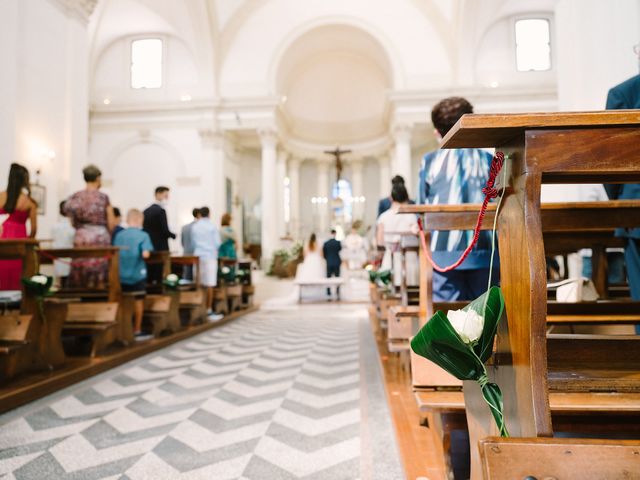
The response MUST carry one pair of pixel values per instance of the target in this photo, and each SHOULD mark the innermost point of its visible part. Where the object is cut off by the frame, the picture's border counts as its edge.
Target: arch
(397, 71)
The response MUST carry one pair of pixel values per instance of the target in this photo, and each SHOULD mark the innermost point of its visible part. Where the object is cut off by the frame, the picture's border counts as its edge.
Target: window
(146, 63)
(342, 198)
(533, 45)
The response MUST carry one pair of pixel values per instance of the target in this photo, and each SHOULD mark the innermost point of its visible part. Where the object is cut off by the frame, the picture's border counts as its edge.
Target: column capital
(268, 137)
(294, 162)
(79, 9)
(211, 138)
(402, 132)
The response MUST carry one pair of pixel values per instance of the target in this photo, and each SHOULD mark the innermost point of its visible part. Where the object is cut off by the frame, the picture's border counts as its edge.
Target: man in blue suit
(627, 96)
(331, 253)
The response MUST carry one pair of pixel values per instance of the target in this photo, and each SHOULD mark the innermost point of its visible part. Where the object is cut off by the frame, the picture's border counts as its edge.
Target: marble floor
(279, 394)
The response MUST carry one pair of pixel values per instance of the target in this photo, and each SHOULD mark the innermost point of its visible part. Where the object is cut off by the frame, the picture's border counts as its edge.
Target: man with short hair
(156, 225)
(187, 243)
(205, 238)
(331, 253)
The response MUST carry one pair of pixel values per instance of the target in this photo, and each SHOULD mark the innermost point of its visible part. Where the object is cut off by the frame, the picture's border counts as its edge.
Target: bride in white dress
(312, 268)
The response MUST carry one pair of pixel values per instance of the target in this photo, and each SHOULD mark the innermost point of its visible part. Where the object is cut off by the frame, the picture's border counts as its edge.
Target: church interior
(320, 239)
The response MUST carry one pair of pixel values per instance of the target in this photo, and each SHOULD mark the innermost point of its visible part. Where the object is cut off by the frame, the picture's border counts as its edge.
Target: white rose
(41, 279)
(468, 324)
(225, 270)
(172, 277)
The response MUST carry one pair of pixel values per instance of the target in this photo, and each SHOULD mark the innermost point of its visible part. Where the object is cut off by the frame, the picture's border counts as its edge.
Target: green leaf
(492, 313)
(493, 396)
(438, 341)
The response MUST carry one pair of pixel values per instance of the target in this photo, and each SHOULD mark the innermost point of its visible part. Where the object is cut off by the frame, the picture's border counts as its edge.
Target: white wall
(44, 90)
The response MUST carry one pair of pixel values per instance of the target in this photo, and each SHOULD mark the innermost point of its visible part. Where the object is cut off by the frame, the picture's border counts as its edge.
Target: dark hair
(91, 173)
(18, 179)
(161, 189)
(333, 231)
(399, 194)
(397, 180)
(116, 212)
(448, 111)
(312, 242)
(196, 212)
(62, 204)
(204, 211)
(226, 220)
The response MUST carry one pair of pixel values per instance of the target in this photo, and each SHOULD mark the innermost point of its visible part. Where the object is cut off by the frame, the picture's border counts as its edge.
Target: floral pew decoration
(172, 281)
(40, 286)
(461, 342)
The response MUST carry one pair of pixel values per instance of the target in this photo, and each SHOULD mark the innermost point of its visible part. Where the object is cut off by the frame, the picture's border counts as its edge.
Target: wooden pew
(13, 339)
(233, 290)
(193, 298)
(162, 304)
(95, 321)
(248, 288)
(548, 148)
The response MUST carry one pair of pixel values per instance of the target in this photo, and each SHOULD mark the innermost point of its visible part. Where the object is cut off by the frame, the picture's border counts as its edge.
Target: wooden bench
(193, 298)
(13, 339)
(95, 319)
(550, 148)
(162, 305)
(246, 280)
(320, 283)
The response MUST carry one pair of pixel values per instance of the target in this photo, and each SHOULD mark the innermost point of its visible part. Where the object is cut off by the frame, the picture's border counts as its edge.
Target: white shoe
(214, 317)
(142, 337)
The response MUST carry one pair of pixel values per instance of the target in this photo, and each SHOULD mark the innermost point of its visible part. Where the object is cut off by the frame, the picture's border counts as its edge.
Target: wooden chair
(566, 147)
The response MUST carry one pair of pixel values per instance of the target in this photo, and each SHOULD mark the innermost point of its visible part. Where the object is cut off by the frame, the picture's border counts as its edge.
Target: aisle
(288, 394)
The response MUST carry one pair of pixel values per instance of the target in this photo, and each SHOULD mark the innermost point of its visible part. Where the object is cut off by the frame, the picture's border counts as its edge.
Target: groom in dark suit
(156, 225)
(331, 252)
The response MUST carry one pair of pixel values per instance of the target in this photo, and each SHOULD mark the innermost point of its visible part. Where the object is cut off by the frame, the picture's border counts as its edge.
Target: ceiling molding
(80, 10)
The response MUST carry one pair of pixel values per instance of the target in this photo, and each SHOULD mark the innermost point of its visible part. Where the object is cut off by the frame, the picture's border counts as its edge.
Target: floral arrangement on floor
(461, 342)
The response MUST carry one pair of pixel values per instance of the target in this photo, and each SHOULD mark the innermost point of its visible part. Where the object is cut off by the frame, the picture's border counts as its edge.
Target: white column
(294, 179)
(385, 175)
(214, 178)
(281, 172)
(269, 227)
(402, 163)
(357, 188)
(323, 193)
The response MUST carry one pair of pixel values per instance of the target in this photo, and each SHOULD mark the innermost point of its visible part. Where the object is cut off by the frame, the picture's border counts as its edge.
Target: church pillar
(281, 173)
(357, 189)
(269, 227)
(294, 185)
(214, 178)
(385, 175)
(324, 197)
(402, 164)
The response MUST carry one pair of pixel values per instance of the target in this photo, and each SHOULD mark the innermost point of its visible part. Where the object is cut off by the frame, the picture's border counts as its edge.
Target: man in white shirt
(205, 239)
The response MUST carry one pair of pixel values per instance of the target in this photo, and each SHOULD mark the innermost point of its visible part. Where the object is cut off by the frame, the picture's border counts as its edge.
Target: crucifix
(338, 154)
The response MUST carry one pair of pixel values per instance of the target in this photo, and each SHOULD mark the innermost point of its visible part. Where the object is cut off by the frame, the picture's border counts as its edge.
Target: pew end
(13, 339)
(96, 320)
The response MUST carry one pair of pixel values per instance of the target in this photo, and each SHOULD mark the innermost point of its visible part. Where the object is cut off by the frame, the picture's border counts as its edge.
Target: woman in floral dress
(92, 216)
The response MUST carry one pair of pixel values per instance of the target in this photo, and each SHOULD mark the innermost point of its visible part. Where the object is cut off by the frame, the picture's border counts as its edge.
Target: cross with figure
(338, 154)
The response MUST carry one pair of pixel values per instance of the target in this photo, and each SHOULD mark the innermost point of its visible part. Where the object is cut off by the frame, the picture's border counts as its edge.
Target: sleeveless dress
(11, 270)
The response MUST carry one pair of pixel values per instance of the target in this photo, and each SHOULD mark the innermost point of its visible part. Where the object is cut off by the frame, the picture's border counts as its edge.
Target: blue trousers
(632, 259)
(462, 284)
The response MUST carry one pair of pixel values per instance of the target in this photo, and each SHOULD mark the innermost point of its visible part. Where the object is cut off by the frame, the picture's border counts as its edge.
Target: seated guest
(456, 176)
(187, 244)
(62, 235)
(391, 225)
(118, 221)
(136, 246)
(205, 238)
(385, 203)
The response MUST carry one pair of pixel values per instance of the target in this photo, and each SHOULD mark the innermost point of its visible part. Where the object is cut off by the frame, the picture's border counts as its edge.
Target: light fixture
(106, 101)
(284, 99)
(185, 97)
(494, 84)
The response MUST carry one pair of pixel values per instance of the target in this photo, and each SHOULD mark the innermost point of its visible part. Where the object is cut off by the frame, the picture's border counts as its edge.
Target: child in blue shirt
(136, 246)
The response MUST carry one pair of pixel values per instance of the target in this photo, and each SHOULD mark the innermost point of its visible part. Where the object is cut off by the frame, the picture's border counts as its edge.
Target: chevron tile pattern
(283, 394)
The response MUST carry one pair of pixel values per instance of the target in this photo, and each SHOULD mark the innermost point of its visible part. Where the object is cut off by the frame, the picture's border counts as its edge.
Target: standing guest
(391, 225)
(627, 96)
(118, 219)
(156, 225)
(62, 235)
(205, 238)
(331, 253)
(385, 203)
(136, 246)
(228, 237)
(354, 245)
(16, 202)
(92, 216)
(187, 244)
(456, 176)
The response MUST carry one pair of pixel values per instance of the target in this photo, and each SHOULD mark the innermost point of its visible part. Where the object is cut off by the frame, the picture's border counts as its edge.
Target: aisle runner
(277, 395)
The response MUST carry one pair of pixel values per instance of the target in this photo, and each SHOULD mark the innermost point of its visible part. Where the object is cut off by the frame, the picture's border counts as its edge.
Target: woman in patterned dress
(92, 216)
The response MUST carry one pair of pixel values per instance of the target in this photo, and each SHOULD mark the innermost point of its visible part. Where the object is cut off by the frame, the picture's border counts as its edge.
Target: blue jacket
(625, 96)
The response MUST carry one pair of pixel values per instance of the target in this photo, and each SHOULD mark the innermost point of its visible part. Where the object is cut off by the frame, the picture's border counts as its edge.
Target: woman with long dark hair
(16, 202)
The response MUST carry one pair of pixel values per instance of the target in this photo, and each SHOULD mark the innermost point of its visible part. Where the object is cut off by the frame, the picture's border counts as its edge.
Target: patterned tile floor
(286, 394)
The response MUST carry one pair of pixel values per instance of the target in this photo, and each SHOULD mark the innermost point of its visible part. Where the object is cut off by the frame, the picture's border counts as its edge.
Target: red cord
(489, 193)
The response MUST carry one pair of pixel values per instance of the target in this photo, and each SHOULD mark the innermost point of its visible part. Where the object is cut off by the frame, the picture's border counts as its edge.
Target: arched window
(341, 196)
(146, 63)
(533, 44)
